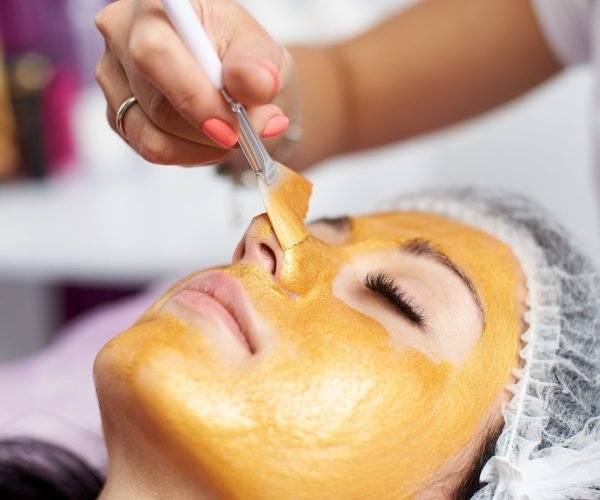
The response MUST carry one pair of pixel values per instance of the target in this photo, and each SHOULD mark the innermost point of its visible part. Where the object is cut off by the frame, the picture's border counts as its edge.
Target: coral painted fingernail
(275, 126)
(220, 132)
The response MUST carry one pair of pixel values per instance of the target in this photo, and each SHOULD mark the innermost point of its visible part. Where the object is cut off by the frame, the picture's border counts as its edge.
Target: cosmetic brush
(284, 192)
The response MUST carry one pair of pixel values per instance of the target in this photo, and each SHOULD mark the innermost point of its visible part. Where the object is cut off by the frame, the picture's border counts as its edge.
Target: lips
(220, 298)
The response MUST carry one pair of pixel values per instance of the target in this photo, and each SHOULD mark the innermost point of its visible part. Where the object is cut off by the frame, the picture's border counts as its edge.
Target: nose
(259, 246)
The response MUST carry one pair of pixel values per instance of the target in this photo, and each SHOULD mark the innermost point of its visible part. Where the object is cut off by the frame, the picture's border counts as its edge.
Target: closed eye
(384, 285)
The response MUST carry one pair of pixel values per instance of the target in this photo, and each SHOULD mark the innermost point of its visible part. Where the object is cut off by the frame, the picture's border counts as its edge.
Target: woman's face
(354, 365)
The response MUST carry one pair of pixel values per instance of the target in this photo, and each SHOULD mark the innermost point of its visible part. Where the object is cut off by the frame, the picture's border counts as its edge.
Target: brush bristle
(286, 201)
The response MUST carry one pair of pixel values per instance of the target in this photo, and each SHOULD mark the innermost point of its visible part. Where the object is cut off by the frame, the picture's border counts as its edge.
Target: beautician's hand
(180, 118)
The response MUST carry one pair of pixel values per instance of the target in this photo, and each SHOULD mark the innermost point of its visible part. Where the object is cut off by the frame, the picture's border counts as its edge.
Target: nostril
(270, 254)
(239, 252)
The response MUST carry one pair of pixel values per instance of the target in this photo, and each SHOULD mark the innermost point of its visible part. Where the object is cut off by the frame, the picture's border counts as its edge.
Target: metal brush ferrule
(260, 161)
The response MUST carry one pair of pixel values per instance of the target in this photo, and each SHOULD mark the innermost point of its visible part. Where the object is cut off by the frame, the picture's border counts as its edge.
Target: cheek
(333, 399)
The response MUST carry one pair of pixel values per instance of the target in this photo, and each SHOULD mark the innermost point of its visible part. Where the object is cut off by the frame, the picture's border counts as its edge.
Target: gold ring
(121, 114)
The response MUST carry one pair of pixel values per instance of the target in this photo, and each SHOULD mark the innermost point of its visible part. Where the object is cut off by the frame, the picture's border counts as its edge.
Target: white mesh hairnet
(549, 447)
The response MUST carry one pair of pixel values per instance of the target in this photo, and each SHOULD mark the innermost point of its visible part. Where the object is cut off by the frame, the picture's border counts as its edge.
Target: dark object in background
(29, 76)
(9, 157)
(43, 98)
(74, 299)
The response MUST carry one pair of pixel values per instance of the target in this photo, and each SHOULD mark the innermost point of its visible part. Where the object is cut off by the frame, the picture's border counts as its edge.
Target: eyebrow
(342, 223)
(422, 248)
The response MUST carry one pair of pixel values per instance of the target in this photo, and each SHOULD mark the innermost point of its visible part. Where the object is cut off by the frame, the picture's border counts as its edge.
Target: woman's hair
(32, 469)
(470, 483)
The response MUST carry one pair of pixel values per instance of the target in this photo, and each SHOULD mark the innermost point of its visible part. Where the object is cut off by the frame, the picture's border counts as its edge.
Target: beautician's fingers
(251, 59)
(162, 113)
(113, 80)
(157, 146)
(268, 120)
(254, 66)
(152, 143)
(115, 23)
(156, 54)
(149, 49)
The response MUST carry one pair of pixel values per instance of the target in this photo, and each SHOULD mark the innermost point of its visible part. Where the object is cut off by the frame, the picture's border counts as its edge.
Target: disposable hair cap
(549, 448)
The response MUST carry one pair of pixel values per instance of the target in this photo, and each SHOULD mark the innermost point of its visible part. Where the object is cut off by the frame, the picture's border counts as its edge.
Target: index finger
(157, 52)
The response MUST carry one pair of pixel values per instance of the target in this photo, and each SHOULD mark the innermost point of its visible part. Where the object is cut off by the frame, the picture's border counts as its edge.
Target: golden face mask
(343, 397)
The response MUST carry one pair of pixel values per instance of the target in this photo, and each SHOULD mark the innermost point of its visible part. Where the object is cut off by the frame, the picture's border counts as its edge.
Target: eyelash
(384, 285)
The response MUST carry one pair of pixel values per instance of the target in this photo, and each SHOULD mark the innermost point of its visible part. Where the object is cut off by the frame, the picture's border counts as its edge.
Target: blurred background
(84, 221)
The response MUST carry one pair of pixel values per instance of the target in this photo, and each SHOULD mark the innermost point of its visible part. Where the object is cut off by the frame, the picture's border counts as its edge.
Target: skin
(434, 64)
(430, 66)
(342, 397)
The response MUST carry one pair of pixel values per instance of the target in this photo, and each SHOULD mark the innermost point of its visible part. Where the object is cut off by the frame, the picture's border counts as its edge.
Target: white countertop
(137, 228)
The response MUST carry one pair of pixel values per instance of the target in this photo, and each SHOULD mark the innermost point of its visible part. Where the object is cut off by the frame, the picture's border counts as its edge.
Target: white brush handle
(186, 21)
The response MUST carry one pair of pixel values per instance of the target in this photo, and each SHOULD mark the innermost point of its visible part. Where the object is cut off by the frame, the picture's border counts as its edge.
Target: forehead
(402, 225)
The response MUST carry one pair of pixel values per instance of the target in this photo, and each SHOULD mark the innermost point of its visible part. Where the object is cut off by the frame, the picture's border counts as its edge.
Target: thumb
(251, 70)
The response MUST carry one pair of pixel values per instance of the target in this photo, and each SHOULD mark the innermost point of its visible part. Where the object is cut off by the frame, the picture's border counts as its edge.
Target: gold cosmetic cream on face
(334, 402)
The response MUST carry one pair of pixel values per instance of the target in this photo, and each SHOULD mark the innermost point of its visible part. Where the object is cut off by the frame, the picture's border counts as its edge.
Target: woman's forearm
(432, 65)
